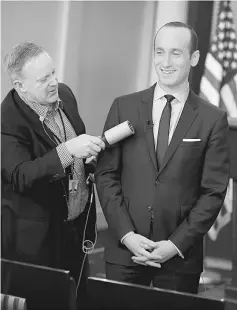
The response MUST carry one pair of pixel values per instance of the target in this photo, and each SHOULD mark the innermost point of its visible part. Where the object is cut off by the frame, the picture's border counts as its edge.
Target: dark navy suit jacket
(185, 194)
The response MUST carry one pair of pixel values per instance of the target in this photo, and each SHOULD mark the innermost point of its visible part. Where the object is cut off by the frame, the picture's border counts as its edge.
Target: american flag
(219, 82)
(219, 87)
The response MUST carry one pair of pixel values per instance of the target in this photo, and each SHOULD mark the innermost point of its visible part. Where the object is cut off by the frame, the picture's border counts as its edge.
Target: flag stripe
(233, 86)
(203, 95)
(222, 106)
(214, 66)
(229, 100)
(210, 92)
(211, 78)
(235, 79)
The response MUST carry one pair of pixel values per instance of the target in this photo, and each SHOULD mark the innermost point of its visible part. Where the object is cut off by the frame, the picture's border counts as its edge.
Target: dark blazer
(34, 183)
(184, 195)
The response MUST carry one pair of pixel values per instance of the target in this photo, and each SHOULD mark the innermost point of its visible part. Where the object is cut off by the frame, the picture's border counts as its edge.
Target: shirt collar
(41, 109)
(181, 96)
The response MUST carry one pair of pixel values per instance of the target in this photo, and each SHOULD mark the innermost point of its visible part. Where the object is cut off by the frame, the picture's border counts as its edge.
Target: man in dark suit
(161, 189)
(44, 151)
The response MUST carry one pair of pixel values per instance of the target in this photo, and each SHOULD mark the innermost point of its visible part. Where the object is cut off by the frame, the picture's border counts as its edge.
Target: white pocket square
(191, 140)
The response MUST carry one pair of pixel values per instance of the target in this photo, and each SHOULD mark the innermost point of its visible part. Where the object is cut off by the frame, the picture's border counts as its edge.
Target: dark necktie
(163, 132)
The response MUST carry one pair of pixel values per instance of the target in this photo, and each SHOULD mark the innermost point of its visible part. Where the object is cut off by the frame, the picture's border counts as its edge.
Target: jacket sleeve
(215, 177)
(19, 168)
(108, 182)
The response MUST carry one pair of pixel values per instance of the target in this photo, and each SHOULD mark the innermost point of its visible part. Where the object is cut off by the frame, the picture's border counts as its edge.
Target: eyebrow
(45, 76)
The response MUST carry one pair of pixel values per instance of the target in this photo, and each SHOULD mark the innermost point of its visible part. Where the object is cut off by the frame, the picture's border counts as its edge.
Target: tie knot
(169, 98)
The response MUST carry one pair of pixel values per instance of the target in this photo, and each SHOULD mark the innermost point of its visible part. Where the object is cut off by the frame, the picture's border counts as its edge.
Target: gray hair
(20, 54)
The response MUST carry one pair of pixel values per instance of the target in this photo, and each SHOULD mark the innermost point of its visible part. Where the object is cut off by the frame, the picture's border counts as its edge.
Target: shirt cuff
(179, 252)
(128, 234)
(64, 155)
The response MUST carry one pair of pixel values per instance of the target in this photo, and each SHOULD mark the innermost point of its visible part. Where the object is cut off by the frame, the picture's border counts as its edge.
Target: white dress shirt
(177, 106)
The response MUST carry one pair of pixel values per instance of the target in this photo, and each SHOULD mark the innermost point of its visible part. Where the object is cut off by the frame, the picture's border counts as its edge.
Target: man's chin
(166, 83)
(168, 80)
(53, 98)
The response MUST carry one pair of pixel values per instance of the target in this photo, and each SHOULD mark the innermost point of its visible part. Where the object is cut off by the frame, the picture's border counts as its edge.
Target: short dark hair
(19, 56)
(194, 37)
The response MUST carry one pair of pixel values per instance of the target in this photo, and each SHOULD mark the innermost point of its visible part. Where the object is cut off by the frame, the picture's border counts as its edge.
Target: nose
(54, 80)
(167, 60)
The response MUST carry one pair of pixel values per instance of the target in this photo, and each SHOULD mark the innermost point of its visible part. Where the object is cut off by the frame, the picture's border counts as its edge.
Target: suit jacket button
(157, 182)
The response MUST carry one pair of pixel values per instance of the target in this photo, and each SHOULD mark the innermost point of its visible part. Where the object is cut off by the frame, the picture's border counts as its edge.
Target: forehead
(38, 66)
(173, 38)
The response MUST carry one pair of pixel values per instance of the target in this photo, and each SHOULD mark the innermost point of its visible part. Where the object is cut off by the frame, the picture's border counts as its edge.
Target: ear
(195, 58)
(19, 86)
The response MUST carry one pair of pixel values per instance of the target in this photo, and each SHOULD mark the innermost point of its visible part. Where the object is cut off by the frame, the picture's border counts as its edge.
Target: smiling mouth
(168, 71)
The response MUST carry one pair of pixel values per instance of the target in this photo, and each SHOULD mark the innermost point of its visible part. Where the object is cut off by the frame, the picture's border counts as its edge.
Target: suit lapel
(187, 117)
(70, 109)
(145, 110)
(33, 120)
